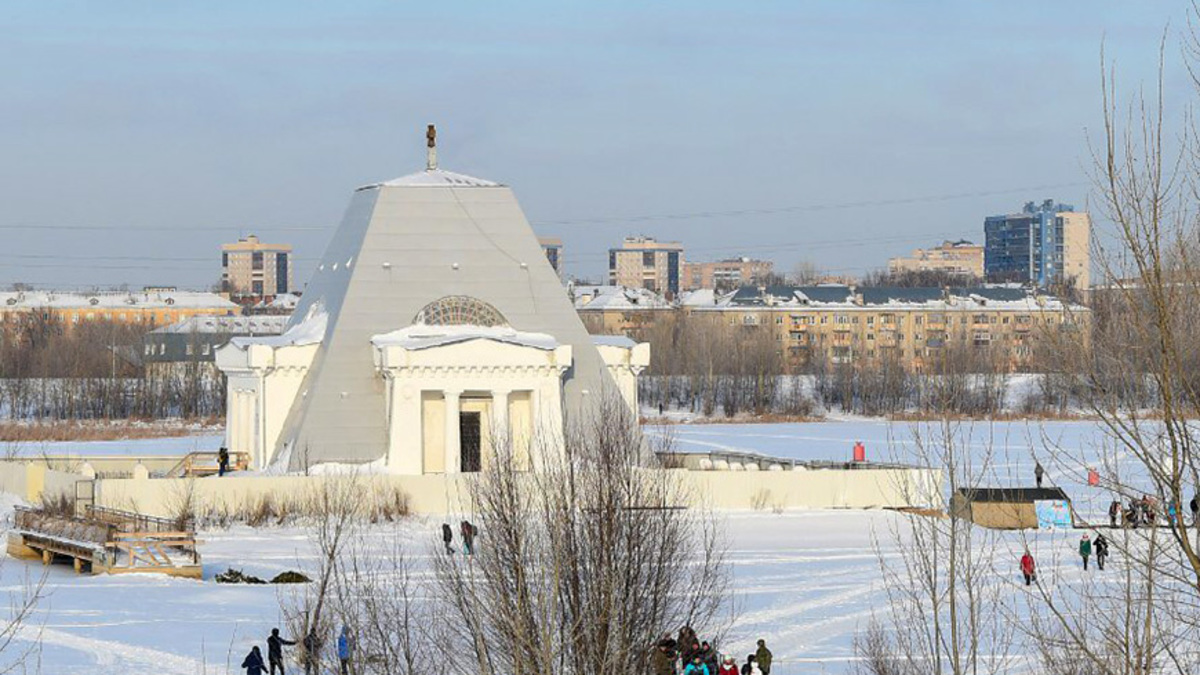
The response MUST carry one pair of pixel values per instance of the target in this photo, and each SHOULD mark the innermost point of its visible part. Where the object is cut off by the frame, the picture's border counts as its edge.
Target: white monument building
(432, 325)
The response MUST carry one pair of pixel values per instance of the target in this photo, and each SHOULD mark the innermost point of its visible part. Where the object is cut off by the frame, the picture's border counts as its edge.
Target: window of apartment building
(749, 320)
(206, 349)
(256, 260)
(1024, 318)
(648, 259)
(149, 349)
(917, 320)
(870, 336)
(870, 321)
(963, 321)
(189, 349)
(256, 287)
(841, 318)
(824, 319)
(779, 321)
(982, 339)
(224, 259)
(162, 348)
(888, 319)
(979, 318)
(281, 272)
(993, 319)
(1005, 321)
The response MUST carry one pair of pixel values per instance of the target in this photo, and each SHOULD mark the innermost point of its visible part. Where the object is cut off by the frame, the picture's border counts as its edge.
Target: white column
(501, 438)
(453, 446)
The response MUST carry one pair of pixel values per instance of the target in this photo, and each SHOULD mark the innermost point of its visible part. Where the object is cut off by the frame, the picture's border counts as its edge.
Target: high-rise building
(961, 258)
(726, 274)
(252, 268)
(553, 247)
(643, 262)
(1043, 245)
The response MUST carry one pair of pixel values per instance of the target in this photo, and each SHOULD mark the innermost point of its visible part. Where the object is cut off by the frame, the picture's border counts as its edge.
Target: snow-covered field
(167, 446)
(805, 581)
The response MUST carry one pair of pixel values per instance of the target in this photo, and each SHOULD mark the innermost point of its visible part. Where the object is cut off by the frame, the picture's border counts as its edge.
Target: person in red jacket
(1027, 568)
(728, 667)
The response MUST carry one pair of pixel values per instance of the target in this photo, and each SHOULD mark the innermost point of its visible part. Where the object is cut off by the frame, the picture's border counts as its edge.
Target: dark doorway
(470, 440)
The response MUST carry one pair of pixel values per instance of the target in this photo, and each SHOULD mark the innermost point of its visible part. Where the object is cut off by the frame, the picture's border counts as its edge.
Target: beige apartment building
(553, 248)
(643, 262)
(1044, 245)
(728, 274)
(914, 327)
(152, 307)
(962, 258)
(252, 268)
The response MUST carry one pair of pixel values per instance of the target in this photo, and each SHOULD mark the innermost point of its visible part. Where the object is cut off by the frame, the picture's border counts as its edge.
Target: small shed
(1003, 508)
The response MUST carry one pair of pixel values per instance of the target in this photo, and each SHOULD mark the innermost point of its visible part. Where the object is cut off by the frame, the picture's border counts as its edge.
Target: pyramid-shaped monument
(431, 261)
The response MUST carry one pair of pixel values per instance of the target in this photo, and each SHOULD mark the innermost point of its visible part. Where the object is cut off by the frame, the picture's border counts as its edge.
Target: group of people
(1087, 547)
(466, 530)
(690, 655)
(310, 656)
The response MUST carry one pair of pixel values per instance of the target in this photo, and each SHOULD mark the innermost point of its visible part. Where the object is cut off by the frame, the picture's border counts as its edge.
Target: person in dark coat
(1194, 505)
(662, 660)
(1085, 549)
(253, 663)
(467, 530)
(763, 657)
(275, 650)
(709, 656)
(687, 637)
(448, 538)
(1038, 473)
(1101, 548)
(1114, 512)
(749, 667)
(312, 652)
(222, 461)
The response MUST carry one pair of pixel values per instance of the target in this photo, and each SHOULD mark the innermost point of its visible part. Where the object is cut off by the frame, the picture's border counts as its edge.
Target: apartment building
(726, 274)
(1043, 245)
(915, 327)
(193, 342)
(553, 248)
(151, 307)
(252, 268)
(962, 258)
(643, 262)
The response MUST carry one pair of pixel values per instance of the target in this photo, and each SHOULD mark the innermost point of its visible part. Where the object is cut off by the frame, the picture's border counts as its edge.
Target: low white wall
(29, 480)
(436, 494)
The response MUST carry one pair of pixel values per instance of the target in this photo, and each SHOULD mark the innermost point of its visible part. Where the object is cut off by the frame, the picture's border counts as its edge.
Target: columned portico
(453, 431)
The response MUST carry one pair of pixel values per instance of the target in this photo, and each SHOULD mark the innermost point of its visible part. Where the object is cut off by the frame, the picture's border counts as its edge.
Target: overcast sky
(172, 127)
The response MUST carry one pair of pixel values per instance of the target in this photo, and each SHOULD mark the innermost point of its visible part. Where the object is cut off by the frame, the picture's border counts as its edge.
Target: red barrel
(1093, 477)
(860, 452)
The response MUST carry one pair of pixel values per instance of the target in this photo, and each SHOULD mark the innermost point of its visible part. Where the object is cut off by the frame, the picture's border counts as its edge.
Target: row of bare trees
(581, 566)
(51, 370)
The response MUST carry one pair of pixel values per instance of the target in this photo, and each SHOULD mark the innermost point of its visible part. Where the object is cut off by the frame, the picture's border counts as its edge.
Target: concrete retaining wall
(29, 480)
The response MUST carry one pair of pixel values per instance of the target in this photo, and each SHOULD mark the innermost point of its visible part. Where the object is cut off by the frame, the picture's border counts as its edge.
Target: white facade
(433, 331)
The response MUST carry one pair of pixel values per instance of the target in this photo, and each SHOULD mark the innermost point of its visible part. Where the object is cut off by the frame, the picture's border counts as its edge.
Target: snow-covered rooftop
(111, 299)
(269, 324)
(308, 332)
(618, 298)
(613, 341)
(830, 297)
(421, 336)
(434, 178)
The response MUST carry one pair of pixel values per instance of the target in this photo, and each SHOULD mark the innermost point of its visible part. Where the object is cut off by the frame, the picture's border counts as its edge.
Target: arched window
(459, 310)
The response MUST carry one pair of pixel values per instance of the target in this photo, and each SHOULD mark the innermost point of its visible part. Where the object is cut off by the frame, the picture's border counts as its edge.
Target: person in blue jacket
(345, 649)
(696, 667)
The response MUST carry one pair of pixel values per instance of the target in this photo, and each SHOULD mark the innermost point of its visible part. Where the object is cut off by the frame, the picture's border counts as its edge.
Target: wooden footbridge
(106, 540)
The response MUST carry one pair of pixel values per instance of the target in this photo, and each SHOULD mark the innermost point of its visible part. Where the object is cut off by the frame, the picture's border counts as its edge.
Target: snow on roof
(284, 301)
(698, 297)
(111, 299)
(268, 324)
(617, 297)
(309, 331)
(850, 298)
(613, 341)
(434, 178)
(421, 336)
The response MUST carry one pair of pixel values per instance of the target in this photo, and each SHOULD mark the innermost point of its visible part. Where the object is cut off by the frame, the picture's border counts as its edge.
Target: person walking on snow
(345, 648)
(763, 657)
(662, 659)
(1027, 568)
(750, 667)
(1038, 473)
(222, 461)
(1114, 512)
(728, 666)
(467, 530)
(448, 538)
(1101, 546)
(253, 662)
(1085, 549)
(275, 650)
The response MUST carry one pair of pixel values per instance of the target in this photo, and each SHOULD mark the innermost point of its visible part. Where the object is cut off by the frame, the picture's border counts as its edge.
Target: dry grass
(769, 418)
(1039, 416)
(17, 432)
